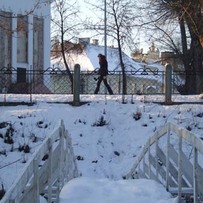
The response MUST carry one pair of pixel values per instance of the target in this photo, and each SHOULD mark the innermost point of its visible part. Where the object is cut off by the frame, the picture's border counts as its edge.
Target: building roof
(88, 59)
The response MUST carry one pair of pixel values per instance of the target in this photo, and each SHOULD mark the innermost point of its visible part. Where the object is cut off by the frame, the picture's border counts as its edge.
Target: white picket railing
(173, 156)
(52, 165)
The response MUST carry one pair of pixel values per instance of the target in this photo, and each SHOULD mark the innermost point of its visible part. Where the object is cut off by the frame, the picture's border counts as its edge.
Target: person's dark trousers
(105, 83)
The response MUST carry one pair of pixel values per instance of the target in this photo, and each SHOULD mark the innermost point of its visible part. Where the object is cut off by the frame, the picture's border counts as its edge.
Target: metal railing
(144, 81)
(56, 81)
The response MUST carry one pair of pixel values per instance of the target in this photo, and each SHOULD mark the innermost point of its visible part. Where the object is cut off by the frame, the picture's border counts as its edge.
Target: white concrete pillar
(14, 48)
(14, 44)
(47, 42)
(30, 41)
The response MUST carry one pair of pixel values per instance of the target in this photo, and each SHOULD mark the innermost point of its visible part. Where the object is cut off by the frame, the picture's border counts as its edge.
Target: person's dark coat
(103, 70)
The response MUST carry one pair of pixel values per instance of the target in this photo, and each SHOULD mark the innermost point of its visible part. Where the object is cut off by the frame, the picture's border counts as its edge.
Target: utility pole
(103, 28)
(105, 35)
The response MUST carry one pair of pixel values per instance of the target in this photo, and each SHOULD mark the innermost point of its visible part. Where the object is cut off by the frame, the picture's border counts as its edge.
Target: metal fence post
(168, 83)
(76, 85)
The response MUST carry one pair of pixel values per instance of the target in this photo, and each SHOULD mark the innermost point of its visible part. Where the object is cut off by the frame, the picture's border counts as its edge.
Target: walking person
(103, 72)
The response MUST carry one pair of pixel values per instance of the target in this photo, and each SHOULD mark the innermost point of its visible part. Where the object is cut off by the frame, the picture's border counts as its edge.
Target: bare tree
(122, 20)
(184, 17)
(36, 5)
(64, 21)
(122, 17)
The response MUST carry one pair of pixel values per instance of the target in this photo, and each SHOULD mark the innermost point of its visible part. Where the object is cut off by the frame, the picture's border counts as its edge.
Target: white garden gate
(173, 156)
(52, 165)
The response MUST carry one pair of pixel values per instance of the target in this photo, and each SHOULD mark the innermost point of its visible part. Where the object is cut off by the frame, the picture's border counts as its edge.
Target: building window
(5, 38)
(22, 39)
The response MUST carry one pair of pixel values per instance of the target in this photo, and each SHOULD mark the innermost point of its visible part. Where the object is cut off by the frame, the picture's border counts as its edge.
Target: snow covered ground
(104, 153)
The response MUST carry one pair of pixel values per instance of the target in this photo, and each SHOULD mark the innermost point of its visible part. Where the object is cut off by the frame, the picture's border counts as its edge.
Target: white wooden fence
(45, 174)
(173, 156)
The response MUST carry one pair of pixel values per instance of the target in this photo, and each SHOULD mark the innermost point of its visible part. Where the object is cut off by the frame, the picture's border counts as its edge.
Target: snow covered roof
(88, 59)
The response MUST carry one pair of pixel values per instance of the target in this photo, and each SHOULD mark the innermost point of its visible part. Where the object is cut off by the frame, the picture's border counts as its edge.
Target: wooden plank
(172, 169)
(200, 180)
(24, 188)
(174, 190)
(162, 172)
(158, 134)
(138, 160)
(167, 158)
(49, 171)
(180, 168)
(145, 168)
(186, 164)
(141, 174)
(171, 164)
(153, 176)
(36, 182)
(162, 131)
(187, 135)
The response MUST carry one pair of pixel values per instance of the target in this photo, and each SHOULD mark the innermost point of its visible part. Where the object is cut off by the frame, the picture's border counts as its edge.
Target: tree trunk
(64, 59)
(124, 87)
(66, 65)
(194, 70)
(189, 85)
(195, 28)
(196, 63)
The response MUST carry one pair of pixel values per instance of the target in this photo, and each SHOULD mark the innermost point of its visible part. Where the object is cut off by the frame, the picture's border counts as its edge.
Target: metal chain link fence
(56, 81)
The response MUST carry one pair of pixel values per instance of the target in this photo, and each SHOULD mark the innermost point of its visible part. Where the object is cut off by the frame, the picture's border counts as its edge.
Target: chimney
(95, 41)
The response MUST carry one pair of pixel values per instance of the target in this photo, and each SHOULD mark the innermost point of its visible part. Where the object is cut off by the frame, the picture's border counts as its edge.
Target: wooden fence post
(195, 173)
(180, 167)
(167, 157)
(50, 171)
(36, 181)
